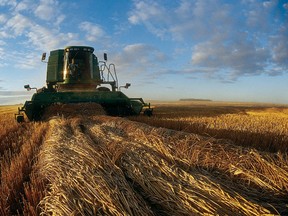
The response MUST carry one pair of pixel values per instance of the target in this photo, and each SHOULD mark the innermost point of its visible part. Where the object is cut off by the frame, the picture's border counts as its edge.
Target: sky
(221, 50)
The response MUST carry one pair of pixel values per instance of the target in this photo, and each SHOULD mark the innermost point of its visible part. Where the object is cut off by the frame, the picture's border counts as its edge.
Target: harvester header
(75, 75)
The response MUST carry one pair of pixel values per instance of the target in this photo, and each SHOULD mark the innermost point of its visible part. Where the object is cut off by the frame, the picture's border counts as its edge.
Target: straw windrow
(250, 174)
(112, 166)
(82, 180)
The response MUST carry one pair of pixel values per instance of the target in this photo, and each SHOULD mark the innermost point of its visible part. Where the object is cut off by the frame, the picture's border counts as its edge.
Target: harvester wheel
(148, 112)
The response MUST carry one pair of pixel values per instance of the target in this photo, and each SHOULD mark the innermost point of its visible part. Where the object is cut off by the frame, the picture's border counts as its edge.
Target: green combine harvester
(74, 75)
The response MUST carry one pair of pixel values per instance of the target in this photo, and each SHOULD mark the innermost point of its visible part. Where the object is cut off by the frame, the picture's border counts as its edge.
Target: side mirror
(127, 85)
(27, 87)
(105, 57)
(43, 57)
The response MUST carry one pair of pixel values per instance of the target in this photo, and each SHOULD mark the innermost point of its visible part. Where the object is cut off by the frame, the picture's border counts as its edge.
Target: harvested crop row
(178, 192)
(256, 175)
(260, 128)
(83, 181)
(107, 165)
(194, 150)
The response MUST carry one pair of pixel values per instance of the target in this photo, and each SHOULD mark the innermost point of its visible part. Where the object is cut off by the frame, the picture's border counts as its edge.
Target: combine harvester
(74, 75)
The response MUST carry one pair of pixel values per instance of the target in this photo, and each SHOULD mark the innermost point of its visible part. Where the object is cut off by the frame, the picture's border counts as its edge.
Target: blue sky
(167, 49)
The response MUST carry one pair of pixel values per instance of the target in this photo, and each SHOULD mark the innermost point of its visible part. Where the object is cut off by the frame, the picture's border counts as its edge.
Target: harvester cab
(74, 75)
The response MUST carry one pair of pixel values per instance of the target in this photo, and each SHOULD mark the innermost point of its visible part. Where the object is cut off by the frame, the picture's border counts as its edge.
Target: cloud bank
(227, 39)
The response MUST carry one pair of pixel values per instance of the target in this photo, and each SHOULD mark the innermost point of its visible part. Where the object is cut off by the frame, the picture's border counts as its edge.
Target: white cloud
(8, 2)
(43, 38)
(60, 19)
(21, 6)
(2, 43)
(50, 11)
(2, 52)
(150, 13)
(279, 45)
(31, 35)
(230, 38)
(269, 4)
(184, 9)
(4, 34)
(137, 53)
(29, 61)
(144, 10)
(143, 54)
(46, 9)
(93, 31)
(18, 24)
(185, 21)
(138, 59)
(237, 58)
(38, 37)
(3, 18)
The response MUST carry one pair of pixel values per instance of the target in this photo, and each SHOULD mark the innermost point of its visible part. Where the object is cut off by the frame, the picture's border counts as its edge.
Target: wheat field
(193, 159)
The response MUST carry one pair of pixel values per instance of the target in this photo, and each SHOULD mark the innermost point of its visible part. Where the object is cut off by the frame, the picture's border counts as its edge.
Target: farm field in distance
(189, 158)
(257, 125)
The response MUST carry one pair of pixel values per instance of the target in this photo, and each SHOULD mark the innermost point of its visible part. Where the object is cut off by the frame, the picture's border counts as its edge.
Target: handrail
(111, 66)
(115, 74)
